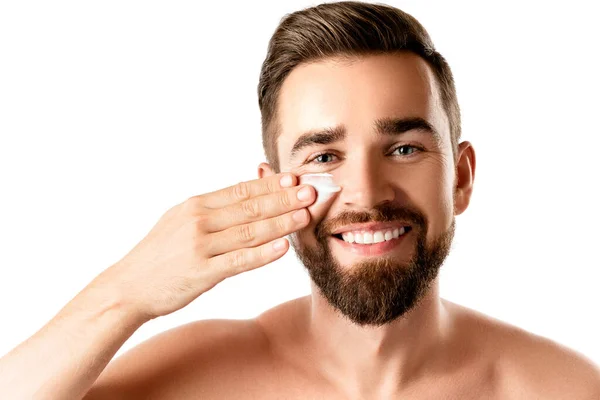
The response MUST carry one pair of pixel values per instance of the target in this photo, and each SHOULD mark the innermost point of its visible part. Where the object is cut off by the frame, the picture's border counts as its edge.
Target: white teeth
(348, 237)
(351, 237)
(373, 236)
(358, 238)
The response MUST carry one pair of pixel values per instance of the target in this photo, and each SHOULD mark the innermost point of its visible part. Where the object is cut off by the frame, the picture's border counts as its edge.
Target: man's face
(399, 172)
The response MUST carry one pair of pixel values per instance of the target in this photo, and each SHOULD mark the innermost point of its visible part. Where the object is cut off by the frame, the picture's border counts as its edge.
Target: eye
(322, 158)
(406, 150)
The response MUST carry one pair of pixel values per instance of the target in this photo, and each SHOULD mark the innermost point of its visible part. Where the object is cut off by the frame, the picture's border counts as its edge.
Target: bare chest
(276, 381)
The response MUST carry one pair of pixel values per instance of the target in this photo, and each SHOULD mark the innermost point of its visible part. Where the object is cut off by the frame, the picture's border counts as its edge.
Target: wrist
(109, 298)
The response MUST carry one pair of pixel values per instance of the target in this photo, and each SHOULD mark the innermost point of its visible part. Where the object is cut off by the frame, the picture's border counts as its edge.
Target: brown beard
(375, 292)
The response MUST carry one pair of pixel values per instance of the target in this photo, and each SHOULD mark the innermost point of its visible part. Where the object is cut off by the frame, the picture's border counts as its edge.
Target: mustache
(382, 213)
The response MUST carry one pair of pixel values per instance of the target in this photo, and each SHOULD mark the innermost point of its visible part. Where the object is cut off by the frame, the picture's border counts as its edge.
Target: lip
(370, 226)
(376, 249)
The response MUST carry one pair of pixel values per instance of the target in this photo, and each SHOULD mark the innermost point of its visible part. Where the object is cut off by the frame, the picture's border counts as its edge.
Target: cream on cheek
(326, 190)
(323, 184)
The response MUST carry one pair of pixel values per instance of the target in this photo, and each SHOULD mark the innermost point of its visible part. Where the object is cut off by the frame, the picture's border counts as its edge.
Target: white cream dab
(323, 184)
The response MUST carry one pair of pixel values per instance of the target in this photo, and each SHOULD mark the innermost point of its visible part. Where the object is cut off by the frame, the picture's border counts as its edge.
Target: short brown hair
(345, 29)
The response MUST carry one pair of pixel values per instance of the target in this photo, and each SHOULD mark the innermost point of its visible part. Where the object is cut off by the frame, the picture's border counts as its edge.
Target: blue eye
(321, 156)
(406, 148)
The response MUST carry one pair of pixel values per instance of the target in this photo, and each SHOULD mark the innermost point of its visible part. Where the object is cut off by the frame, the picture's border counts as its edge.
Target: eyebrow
(382, 126)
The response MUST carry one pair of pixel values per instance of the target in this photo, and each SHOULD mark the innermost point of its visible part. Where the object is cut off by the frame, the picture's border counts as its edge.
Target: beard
(375, 291)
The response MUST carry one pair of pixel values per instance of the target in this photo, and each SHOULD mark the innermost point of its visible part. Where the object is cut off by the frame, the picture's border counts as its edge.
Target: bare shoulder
(529, 365)
(181, 362)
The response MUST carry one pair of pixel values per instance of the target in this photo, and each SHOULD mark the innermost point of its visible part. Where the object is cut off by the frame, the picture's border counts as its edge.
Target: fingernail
(286, 181)
(304, 194)
(299, 216)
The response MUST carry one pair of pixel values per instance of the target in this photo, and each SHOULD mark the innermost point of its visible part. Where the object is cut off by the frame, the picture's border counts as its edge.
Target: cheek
(319, 210)
(433, 193)
(442, 202)
(327, 190)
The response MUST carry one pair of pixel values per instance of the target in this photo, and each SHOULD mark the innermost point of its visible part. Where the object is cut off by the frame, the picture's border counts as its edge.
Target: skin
(303, 349)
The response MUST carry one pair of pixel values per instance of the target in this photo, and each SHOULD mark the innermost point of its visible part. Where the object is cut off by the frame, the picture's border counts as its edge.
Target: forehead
(355, 93)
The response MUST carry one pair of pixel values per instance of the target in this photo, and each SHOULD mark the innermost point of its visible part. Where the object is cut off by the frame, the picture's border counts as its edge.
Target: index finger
(245, 190)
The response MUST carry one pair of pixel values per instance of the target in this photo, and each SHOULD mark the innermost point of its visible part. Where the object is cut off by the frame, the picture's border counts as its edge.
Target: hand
(207, 238)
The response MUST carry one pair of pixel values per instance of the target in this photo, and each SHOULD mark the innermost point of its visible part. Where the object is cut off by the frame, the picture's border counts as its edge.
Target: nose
(365, 184)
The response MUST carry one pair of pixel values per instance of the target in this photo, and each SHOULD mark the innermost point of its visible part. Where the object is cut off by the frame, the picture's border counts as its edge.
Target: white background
(111, 112)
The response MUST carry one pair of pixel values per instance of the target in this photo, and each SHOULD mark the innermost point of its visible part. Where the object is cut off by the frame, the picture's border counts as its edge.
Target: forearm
(66, 356)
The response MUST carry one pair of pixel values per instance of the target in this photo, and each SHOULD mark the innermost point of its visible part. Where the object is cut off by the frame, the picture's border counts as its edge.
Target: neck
(374, 361)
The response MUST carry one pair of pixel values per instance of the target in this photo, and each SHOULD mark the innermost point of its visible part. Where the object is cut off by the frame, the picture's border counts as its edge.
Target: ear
(465, 175)
(265, 170)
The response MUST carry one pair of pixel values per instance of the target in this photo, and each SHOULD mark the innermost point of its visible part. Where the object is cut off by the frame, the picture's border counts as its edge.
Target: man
(356, 91)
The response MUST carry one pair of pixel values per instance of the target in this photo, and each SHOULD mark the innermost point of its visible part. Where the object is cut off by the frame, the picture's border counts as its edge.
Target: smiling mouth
(372, 237)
